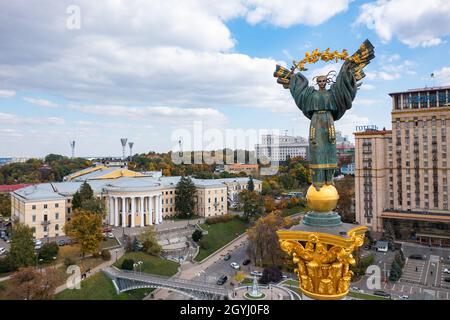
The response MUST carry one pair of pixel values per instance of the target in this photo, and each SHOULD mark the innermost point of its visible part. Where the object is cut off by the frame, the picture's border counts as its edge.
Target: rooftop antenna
(123, 141)
(180, 144)
(130, 144)
(72, 146)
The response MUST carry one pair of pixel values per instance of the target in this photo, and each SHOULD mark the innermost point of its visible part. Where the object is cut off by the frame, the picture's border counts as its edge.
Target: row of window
(33, 207)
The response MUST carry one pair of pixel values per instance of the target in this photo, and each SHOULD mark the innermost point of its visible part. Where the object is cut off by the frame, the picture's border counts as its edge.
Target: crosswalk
(414, 271)
(443, 283)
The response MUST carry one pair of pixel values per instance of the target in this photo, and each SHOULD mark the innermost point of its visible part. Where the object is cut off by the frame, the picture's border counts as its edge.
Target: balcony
(45, 223)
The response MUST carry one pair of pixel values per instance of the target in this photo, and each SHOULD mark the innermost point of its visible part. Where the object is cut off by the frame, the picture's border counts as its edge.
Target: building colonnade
(135, 210)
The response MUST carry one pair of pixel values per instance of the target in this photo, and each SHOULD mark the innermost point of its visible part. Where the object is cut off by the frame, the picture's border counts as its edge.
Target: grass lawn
(151, 264)
(288, 212)
(108, 243)
(219, 234)
(100, 287)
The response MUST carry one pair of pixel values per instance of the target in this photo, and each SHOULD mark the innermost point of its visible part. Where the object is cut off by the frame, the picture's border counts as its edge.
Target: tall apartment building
(278, 148)
(402, 175)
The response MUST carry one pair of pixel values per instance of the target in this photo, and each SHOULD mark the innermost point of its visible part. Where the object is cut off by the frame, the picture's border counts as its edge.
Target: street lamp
(117, 250)
(138, 264)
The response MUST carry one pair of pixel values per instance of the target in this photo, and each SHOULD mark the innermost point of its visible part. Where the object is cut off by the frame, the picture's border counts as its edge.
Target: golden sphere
(324, 200)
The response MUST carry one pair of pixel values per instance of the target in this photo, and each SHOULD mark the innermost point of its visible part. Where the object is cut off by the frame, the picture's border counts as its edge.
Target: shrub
(219, 219)
(197, 235)
(271, 274)
(127, 264)
(5, 265)
(48, 251)
(106, 255)
(69, 261)
(204, 244)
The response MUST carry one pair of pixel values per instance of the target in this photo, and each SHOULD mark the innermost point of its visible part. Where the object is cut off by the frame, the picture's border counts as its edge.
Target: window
(56, 227)
(33, 207)
(56, 205)
(45, 217)
(34, 218)
(45, 206)
(45, 228)
(33, 229)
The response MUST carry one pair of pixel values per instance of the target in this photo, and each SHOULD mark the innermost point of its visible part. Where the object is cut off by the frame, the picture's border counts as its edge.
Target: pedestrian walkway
(119, 252)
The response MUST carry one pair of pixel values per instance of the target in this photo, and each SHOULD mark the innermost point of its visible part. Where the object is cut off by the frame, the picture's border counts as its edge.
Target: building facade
(402, 175)
(131, 199)
(278, 148)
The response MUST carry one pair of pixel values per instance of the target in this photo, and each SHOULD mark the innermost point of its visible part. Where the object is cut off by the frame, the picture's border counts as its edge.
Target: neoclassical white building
(132, 199)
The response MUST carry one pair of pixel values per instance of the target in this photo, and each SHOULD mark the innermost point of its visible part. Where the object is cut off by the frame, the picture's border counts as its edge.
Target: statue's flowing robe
(323, 108)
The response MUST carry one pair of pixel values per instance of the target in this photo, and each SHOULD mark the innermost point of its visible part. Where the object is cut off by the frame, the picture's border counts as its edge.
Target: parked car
(447, 279)
(61, 242)
(404, 297)
(382, 294)
(235, 265)
(256, 273)
(2, 251)
(227, 257)
(356, 289)
(110, 235)
(222, 279)
(107, 229)
(446, 270)
(417, 257)
(37, 244)
(246, 262)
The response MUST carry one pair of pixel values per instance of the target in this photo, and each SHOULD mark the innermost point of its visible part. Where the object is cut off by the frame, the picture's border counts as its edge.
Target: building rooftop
(372, 132)
(421, 90)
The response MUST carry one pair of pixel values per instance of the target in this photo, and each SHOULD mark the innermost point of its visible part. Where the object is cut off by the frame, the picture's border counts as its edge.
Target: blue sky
(151, 71)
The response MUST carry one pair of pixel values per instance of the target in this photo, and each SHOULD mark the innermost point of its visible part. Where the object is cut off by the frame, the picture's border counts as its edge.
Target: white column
(116, 211)
(150, 208)
(142, 211)
(123, 212)
(157, 205)
(160, 208)
(111, 211)
(133, 210)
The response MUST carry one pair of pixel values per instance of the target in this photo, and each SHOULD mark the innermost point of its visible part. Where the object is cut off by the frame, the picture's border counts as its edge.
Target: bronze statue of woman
(324, 106)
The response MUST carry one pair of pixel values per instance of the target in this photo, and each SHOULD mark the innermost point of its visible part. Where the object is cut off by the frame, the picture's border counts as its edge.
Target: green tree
(197, 235)
(346, 190)
(5, 204)
(22, 253)
(149, 241)
(251, 203)
(185, 197)
(127, 264)
(389, 232)
(86, 227)
(84, 199)
(250, 184)
(48, 251)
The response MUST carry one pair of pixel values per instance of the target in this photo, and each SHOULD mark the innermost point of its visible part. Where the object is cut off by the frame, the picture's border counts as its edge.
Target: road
(418, 277)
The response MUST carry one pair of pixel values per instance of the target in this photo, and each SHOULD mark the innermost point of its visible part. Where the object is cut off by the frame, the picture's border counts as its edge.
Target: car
(2, 251)
(227, 257)
(404, 297)
(447, 279)
(446, 270)
(222, 279)
(235, 265)
(417, 257)
(284, 276)
(110, 235)
(61, 242)
(356, 289)
(382, 293)
(256, 273)
(246, 262)
(107, 229)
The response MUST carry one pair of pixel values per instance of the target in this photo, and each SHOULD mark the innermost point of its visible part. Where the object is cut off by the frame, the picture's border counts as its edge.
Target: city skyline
(119, 77)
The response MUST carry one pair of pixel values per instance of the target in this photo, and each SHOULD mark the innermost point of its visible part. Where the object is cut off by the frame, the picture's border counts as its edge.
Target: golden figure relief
(323, 267)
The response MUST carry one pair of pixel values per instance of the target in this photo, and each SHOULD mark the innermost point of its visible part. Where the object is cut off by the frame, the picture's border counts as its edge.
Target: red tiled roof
(12, 187)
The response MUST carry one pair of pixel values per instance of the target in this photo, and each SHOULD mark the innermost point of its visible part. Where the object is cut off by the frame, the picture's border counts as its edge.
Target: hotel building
(402, 174)
(132, 199)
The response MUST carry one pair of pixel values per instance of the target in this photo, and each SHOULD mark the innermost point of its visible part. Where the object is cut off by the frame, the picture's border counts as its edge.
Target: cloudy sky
(96, 71)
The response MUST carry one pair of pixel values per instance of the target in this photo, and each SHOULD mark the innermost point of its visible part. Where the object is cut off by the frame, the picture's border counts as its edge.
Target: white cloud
(414, 22)
(392, 71)
(290, 12)
(41, 102)
(365, 102)
(443, 76)
(12, 119)
(367, 87)
(7, 93)
(168, 113)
